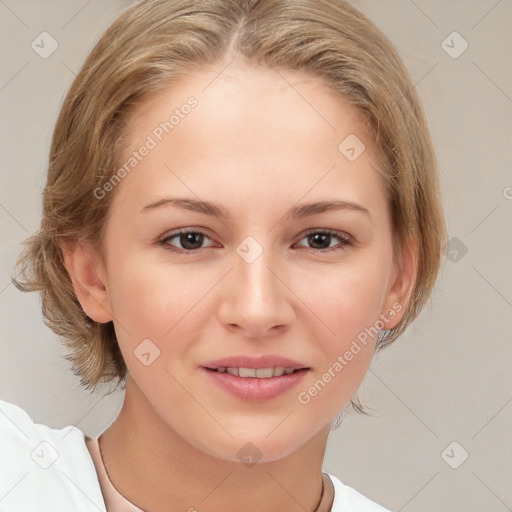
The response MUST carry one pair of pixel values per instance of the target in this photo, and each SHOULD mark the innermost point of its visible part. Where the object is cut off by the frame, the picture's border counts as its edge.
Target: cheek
(156, 313)
(166, 304)
(150, 298)
(346, 303)
(345, 300)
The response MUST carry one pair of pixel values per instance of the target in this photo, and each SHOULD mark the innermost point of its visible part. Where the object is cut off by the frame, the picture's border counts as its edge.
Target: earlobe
(402, 285)
(88, 277)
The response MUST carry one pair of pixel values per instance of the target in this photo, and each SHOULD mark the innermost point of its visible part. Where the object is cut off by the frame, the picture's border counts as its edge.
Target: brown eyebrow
(216, 210)
(325, 206)
(194, 205)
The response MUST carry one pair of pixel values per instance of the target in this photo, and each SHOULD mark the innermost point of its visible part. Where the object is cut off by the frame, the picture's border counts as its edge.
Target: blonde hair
(157, 41)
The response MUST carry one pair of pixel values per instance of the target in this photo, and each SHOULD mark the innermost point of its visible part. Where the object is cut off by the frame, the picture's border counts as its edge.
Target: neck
(156, 469)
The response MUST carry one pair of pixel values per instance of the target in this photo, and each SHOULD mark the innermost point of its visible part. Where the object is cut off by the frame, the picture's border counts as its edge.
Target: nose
(256, 300)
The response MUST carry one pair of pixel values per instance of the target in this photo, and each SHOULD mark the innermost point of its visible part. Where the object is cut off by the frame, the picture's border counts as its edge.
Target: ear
(401, 285)
(87, 272)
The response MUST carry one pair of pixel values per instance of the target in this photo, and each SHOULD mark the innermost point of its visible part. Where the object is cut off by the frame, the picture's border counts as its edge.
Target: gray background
(446, 379)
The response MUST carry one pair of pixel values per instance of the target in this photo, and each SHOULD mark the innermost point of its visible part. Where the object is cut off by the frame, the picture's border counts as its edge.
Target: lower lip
(254, 389)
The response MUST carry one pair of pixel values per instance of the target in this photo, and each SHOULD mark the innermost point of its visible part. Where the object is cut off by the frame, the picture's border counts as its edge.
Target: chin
(255, 448)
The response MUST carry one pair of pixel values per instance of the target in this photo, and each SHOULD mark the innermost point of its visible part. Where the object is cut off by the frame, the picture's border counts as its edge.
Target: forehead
(253, 130)
(259, 98)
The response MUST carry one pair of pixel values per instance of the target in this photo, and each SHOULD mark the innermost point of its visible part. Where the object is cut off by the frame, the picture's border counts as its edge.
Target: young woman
(242, 206)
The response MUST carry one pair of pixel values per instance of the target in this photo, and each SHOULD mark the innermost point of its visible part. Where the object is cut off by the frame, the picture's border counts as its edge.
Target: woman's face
(287, 264)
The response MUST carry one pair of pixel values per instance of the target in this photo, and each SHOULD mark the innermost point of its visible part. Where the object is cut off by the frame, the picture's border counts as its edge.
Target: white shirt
(50, 470)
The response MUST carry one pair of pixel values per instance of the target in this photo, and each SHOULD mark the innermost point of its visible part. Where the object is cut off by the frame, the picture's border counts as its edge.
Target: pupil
(190, 240)
(319, 238)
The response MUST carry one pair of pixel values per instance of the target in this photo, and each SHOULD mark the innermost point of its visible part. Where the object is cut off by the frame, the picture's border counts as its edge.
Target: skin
(258, 145)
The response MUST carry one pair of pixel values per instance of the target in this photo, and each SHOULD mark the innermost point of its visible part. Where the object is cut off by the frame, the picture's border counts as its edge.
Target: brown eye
(185, 241)
(326, 240)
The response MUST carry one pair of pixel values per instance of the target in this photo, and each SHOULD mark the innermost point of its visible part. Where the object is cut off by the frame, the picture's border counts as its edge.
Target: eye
(190, 241)
(322, 240)
(187, 240)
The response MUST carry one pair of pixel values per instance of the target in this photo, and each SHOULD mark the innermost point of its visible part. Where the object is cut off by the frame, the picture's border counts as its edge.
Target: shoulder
(347, 499)
(42, 468)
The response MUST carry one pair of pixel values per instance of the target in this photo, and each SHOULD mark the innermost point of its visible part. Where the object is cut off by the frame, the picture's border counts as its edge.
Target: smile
(256, 373)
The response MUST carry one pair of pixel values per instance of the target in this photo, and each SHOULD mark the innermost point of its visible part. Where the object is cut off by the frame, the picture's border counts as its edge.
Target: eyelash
(344, 240)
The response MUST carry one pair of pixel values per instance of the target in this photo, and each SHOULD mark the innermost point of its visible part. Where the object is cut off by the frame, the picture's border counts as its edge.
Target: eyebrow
(216, 210)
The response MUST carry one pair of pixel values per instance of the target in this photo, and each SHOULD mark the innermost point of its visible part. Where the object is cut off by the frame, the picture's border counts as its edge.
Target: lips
(256, 373)
(255, 378)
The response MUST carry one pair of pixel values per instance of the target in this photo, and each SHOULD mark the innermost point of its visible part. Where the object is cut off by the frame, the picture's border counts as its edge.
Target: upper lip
(264, 361)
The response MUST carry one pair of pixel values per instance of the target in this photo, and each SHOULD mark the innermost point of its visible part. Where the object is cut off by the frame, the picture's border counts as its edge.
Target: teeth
(278, 371)
(264, 373)
(258, 373)
(247, 372)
